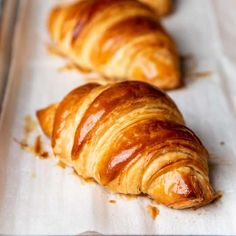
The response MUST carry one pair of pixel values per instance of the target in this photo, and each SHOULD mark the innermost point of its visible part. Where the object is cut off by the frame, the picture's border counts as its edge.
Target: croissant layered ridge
(131, 138)
(118, 39)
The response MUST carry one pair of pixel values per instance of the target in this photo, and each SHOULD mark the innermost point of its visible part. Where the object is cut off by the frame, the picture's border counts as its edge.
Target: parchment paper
(38, 197)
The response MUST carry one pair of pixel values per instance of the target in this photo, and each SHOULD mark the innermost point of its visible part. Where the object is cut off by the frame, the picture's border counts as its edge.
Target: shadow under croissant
(174, 6)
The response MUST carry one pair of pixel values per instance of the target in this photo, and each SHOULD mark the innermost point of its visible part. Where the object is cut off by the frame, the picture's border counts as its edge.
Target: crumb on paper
(22, 144)
(61, 165)
(127, 196)
(153, 202)
(38, 145)
(29, 125)
(72, 66)
(189, 68)
(153, 211)
(44, 155)
(33, 175)
(37, 148)
(199, 75)
(67, 67)
(112, 201)
(52, 50)
(88, 180)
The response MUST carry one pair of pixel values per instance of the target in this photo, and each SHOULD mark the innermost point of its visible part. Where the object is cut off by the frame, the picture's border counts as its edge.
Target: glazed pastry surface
(162, 7)
(120, 40)
(131, 138)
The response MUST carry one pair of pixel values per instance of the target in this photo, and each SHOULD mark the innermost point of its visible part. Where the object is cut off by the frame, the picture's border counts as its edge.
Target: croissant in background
(135, 142)
(162, 7)
(118, 39)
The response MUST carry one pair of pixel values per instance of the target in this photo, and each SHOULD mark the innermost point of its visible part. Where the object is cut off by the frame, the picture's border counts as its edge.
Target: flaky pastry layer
(131, 138)
(118, 39)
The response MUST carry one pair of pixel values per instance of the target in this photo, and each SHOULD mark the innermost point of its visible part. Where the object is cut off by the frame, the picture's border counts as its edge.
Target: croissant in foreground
(117, 39)
(130, 137)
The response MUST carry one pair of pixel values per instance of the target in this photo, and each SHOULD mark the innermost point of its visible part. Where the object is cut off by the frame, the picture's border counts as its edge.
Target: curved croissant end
(131, 138)
(118, 39)
(161, 7)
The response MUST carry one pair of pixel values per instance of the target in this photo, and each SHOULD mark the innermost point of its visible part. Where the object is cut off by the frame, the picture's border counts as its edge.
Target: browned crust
(151, 53)
(121, 97)
(180, 180)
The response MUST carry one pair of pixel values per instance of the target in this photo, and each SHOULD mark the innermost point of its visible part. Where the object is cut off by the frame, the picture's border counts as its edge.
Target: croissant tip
(45, 117)
(214, 198)
(38, 114)
(195, 203)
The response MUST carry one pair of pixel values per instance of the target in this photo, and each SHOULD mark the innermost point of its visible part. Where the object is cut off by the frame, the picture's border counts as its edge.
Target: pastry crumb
(61, 164)
(89, 180)
(153, 211)
(199, 75)
(33, 175)
(36, 148)
(29, 125)
(38, 145)
(189, 67)
(72, 66)
(127, 196)
(44, 155)
(153, 202)
(112, 201)
(53, 51)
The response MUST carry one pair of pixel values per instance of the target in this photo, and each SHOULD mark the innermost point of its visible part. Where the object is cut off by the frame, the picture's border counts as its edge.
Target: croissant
(162, 7)
(130, 137)
(117, 39)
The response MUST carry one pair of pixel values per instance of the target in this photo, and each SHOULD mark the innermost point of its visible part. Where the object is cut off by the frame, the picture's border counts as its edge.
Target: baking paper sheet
(38, 197)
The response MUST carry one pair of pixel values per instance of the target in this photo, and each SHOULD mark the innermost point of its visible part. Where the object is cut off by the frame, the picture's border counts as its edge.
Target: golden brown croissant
(118, 39)
(130, 137)
(162, 7)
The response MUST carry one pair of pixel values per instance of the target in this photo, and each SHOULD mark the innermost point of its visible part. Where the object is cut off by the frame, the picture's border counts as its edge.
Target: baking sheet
(38, 197)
